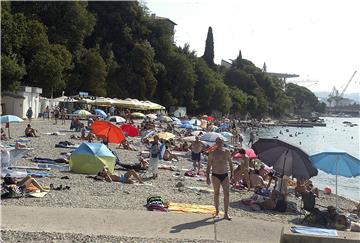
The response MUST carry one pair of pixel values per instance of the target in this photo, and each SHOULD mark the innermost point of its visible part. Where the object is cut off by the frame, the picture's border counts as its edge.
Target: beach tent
(90, 158)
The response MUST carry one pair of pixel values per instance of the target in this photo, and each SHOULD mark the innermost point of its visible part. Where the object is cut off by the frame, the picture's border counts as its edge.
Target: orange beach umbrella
(108, 131)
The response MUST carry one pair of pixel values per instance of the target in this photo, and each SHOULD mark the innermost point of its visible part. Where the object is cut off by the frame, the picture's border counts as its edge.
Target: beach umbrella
(91, 158)
(197, 133)
(186, 122)
(100, 113)
(210, 118)
(130, 130)
(175, 119)
(195, 122)
(285, 158)
(336, 162)
(249, 152)
(227, 134)
(152, 116)
(166, 135)
(117, 119)
(107, 131)
(212, 136)
(165, 119)
(186, 125)
(148, 134)
(10, 119)
(82, 113)
(177, 123)
(189, 138)
(138, 115)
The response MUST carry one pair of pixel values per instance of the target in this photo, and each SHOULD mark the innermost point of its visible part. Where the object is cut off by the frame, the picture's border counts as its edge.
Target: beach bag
(155, 203)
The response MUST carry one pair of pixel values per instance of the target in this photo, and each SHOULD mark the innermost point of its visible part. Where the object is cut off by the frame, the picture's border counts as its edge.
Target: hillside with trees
(117, 49)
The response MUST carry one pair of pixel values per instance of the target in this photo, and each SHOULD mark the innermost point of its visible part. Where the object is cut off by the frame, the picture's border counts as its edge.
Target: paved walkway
(138, 224)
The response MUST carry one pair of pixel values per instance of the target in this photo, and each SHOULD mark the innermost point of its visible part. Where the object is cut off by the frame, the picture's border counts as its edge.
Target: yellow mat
(192, 208)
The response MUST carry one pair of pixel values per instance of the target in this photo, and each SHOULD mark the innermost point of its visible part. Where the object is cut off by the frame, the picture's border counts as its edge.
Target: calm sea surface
(317, 139)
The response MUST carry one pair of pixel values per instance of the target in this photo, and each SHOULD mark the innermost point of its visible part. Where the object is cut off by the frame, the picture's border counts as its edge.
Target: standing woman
(154, 156)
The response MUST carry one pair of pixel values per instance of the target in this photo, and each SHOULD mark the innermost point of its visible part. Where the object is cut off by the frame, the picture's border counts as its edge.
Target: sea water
(317, 139)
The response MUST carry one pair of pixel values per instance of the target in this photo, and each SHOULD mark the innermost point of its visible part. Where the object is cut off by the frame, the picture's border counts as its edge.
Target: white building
(17, 103)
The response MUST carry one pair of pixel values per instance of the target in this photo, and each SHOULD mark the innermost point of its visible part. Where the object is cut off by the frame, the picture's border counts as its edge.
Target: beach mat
(191, 208)
(313, 231)
(37, 194)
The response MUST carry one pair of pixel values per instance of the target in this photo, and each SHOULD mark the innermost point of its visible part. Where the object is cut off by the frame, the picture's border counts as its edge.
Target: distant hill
(352, 96)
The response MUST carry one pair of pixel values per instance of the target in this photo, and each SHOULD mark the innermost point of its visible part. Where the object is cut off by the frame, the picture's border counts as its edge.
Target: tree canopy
(118, 49)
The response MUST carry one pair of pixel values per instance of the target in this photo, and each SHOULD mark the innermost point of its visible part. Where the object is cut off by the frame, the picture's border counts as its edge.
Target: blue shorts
(122, 178)
(195, 156)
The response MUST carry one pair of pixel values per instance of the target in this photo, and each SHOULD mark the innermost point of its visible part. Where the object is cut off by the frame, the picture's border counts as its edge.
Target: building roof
(11, 94)
(163, 18)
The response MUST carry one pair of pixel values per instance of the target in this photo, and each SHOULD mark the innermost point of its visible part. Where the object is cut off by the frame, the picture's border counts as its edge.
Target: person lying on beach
(125, 178)
(30, 132)
(126, 145)
(143, 164)
(26, 184)
(3, 134)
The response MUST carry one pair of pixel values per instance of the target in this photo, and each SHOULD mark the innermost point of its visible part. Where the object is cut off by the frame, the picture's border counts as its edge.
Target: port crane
(335, 96)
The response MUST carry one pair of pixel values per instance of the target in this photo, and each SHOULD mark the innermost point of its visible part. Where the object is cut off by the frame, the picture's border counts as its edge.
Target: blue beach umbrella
(336, 162)
(186, 125)
(227, 134)
(101, 113)
(10, 119)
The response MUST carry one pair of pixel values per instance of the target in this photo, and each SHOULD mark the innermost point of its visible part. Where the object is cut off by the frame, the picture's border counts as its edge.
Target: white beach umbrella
(212, 136)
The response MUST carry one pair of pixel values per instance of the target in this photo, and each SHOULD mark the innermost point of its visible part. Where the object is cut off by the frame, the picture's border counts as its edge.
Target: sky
(316, 39)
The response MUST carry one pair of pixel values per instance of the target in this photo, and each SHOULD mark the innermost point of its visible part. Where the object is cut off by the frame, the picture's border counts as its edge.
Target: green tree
(304, 100)
(47, 69)
(209, 48)
(89, 74)
(11, 73)
(239, 101)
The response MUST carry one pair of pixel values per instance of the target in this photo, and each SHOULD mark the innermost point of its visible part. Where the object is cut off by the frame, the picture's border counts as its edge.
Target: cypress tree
(209, 48)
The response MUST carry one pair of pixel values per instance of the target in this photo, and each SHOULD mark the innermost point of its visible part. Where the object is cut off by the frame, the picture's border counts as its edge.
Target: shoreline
(87, 193)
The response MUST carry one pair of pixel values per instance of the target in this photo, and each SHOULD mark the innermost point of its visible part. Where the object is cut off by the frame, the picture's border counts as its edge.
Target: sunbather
(126, 145)
(143, 164)
(168, 156)
(125, 178)
(26, 183)
(242, 171)
(256, 181)
(30, 132)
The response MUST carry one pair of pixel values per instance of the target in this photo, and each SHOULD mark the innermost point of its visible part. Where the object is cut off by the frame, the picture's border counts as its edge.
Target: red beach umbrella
(108, 131)
(249, 152)
(130, 130)
(210, 118)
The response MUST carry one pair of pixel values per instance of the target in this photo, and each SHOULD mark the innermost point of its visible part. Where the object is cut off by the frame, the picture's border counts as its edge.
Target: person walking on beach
(56, 114)
(196, 147)
(154, 156)
(29, 114)
(219, 164)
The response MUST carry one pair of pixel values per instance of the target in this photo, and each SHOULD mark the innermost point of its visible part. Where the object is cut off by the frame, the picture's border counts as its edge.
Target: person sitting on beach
(307, 185)
(168, 156)
(3, 134)
(242, 171)
(256, 181)
(125, 178)
(30, 132)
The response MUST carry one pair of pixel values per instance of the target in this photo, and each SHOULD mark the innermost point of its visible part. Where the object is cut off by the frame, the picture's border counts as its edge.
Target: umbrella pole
(336, 180)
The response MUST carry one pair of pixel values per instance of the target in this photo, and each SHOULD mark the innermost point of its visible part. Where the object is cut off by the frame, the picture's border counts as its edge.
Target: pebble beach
(87, 193)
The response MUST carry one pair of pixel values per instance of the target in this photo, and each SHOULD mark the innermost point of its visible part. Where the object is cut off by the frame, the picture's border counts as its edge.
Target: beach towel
(192, 208)
(23, 141)
(313, 231)
(39, 174)
(49, 161)
(37, 194)
(200, 189)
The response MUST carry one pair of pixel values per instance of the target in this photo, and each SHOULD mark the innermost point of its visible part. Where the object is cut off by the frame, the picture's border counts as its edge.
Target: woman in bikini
(218, 164)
